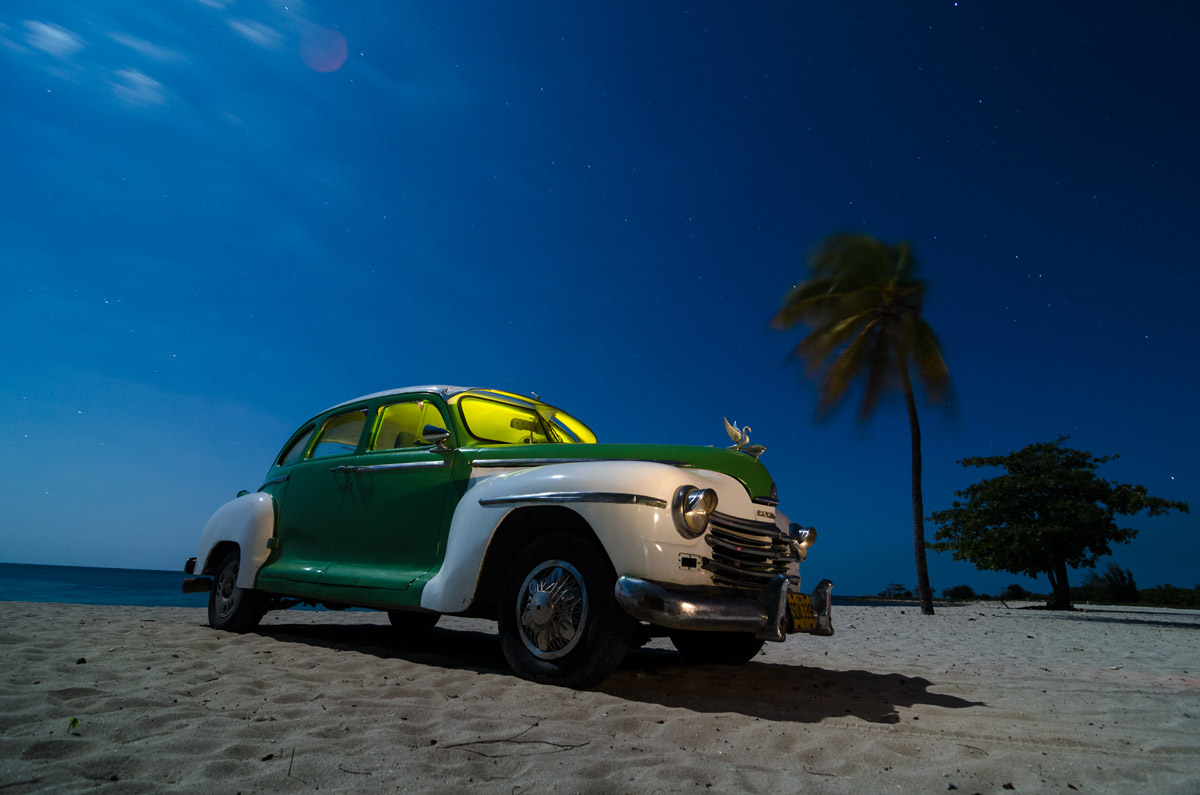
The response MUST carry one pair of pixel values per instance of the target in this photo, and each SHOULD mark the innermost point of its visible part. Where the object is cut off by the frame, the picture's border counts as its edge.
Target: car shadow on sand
(445, 648)
(771, 691)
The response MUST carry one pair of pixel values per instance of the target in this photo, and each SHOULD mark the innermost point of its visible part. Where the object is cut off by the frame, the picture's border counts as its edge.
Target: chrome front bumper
(766, 615)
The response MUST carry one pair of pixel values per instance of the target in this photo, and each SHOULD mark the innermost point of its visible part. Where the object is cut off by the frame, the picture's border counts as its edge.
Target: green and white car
(438, 500)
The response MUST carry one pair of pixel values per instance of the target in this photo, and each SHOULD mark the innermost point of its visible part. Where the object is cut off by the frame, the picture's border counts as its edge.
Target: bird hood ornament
(741, 439)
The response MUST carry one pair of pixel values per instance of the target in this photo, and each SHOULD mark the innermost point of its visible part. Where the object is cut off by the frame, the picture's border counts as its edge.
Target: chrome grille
(746, 554)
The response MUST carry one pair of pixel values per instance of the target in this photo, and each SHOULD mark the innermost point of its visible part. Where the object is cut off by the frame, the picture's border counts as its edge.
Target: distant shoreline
(55, 583)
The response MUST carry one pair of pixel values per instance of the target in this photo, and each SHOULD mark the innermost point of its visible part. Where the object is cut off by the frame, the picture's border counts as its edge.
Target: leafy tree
(1115, 585)
(1049, 510)
(959, 592)
(895, 590)
(862, 305)
(1015, 593)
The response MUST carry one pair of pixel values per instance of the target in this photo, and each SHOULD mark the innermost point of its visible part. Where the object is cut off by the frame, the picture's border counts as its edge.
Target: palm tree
(863, 308)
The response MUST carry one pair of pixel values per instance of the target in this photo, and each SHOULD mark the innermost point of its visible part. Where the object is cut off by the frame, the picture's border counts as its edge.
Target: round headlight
(691, 510)
(805, 536)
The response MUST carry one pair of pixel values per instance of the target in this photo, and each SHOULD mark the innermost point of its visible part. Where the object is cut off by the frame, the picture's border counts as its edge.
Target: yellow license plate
(804, 618)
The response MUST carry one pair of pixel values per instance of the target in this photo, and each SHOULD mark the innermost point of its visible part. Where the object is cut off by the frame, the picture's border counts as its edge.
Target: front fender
(626, 503)
(249, 522)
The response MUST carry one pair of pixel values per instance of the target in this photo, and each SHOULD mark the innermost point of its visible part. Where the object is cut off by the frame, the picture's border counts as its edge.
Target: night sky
(219, 218)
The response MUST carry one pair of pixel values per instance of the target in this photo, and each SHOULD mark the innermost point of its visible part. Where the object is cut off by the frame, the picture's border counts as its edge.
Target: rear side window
(340, 434)
(294, 451)
(401, 424)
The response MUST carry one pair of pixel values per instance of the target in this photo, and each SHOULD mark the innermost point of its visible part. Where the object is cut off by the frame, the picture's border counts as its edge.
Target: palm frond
(814, 349)
(853, 259)
(819, 301)
(821, 310)
(927, 357)
(882, 364)
(863, 305)
(845, 368)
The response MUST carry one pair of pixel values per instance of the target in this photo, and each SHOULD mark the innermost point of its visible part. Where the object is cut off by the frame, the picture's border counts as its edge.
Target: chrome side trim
(273, 481)
(527, 462)
(537, 462)
(578, 496)
(403, 465)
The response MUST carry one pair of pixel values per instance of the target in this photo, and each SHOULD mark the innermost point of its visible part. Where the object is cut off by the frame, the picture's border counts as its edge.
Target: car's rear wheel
(232, 608)
(410, 622)
(725, 648)
(559, 619)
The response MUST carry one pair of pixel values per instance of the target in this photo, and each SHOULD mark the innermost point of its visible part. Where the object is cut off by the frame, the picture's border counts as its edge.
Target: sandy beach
(976, 699)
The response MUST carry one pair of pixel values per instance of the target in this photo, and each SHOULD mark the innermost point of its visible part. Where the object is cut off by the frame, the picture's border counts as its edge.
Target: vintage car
(436, 500)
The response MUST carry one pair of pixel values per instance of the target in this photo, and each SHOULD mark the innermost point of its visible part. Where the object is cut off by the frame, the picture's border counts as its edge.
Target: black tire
(723, 648)
(232, 608)
(409, 622)
(559, 619)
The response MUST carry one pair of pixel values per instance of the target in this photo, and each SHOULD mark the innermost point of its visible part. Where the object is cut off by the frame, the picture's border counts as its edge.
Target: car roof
(446, 391)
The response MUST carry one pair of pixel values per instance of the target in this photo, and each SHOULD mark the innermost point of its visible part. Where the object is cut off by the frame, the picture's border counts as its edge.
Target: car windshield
(503, 418)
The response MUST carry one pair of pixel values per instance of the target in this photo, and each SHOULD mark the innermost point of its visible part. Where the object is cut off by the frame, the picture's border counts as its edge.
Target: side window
(292, 453)
(340, 434)
(401, 424)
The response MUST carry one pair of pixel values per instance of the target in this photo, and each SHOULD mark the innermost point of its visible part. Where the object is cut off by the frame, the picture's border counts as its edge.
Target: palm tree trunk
(918, 503)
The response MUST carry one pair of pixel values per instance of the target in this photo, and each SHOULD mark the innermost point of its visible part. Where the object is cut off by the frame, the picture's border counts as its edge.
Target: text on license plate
(804, 618)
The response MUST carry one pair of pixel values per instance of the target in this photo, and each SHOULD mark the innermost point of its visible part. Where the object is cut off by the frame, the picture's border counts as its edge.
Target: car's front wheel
(559, 619)
(232, 608)
(724, 648)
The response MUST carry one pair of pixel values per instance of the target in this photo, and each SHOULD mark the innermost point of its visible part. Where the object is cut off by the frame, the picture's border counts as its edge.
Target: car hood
(745, 468)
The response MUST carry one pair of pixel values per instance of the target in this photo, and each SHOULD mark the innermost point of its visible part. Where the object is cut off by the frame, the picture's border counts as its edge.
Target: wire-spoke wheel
(553, 609)
(559, 620)
(230, 607)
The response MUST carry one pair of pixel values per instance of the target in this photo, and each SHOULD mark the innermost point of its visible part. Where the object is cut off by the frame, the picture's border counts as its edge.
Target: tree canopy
(863, 306)
(1047, 512)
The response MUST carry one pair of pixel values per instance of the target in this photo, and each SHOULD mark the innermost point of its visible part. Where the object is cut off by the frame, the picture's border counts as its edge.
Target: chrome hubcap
(227, 592)
(552, 609)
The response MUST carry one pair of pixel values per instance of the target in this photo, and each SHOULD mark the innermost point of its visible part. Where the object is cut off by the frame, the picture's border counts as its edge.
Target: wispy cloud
(262, 35)
(136, 88)
(52, 39)
(148, 49)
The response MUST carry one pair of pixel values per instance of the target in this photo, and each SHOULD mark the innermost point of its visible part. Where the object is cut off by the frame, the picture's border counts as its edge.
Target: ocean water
(21, 582)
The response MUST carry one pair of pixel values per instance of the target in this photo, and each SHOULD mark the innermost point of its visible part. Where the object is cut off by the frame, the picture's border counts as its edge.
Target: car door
(317, 484)
(391, 518)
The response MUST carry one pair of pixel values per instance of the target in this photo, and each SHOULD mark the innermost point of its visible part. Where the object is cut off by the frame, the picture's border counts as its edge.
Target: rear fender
(248, 522)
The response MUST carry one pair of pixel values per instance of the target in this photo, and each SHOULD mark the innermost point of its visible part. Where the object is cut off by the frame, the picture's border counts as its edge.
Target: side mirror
(432, 434)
